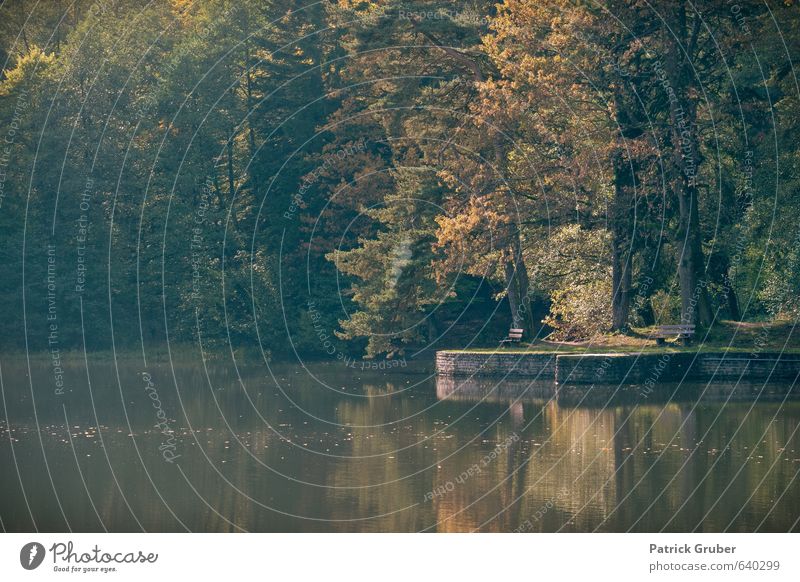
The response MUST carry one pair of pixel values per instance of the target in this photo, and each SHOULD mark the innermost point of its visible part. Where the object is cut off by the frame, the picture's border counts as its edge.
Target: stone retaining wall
(623, 368)
(774, 366)
(496, 364)
(647, 369)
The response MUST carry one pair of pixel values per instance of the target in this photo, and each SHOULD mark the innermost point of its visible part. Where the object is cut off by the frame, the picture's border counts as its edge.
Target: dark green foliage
(352, 176)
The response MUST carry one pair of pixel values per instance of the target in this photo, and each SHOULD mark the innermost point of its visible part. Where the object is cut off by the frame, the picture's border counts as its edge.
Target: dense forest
(350, 177)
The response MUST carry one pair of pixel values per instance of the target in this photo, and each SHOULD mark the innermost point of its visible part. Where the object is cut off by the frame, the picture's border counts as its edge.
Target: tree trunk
(621, 288)
(694, 295)
(621, 251)
(695, 304)
(231, 175)
(733, 301)
(512, 290)
(523, 287)
(251, 134)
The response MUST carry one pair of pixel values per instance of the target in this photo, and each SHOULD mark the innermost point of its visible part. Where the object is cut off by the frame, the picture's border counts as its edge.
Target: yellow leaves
(470, 238)
(36, 59)
(181, 8)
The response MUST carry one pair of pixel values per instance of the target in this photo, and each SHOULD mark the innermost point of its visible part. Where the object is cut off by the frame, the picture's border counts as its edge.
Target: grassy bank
(744, 337)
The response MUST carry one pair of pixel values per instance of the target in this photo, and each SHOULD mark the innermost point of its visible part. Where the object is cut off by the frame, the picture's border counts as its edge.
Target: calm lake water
(327, 447)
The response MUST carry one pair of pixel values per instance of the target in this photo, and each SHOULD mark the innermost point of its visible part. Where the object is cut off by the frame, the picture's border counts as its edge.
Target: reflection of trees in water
(384, 454)
(478, 388)
(577, 467)
(653, 461)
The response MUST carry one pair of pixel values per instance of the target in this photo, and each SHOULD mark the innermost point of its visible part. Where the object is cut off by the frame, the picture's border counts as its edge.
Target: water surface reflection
(327, 448)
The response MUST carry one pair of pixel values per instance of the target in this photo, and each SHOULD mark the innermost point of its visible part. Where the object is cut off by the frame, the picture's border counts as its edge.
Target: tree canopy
(375, 176)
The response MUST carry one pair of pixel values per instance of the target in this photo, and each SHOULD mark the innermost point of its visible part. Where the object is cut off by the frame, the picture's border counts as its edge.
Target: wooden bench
(683, 331)
(514, 336)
